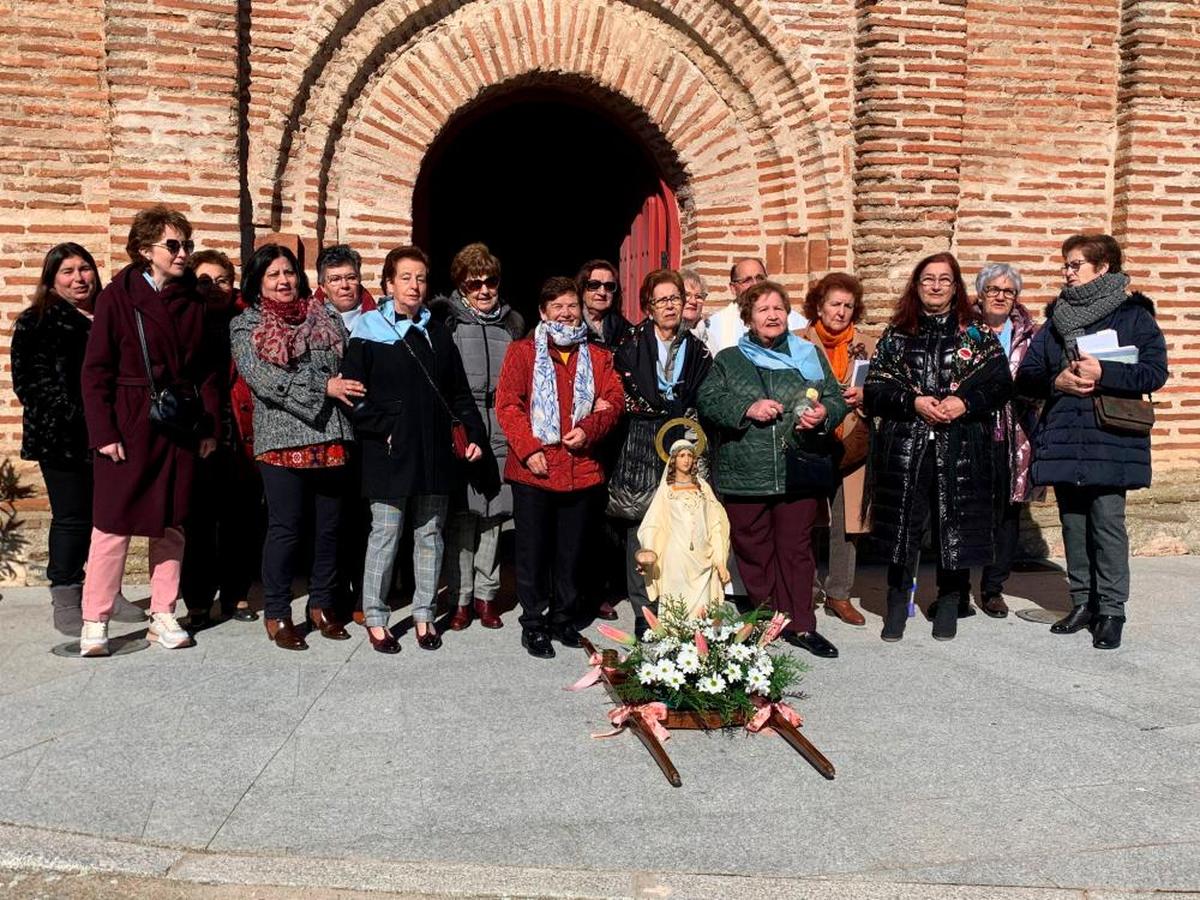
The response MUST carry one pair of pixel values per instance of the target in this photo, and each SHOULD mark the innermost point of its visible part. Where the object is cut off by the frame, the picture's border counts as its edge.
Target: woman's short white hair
(695, 278)
(992, 271)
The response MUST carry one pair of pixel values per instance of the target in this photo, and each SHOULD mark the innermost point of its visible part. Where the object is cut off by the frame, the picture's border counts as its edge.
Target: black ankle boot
(945, 620)
(895, 617)
(1106, 632)
(1076, 620)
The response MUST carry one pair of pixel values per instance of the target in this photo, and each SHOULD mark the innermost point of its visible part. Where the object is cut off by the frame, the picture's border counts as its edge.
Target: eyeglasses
(335, 280)
(749, 279)
(931, 280)
(664, 302)
(593, 284)
(1006, 293)
(173, 246)
(1075, 265)
(696, 295)
(471, 285)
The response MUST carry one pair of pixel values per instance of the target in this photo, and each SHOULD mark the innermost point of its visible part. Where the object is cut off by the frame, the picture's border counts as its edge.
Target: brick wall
(817, 133)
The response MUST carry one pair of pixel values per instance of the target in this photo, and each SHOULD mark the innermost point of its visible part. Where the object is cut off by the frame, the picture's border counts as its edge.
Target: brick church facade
(819, 134)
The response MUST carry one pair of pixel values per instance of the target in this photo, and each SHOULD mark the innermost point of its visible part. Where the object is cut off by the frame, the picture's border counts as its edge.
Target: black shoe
(537, 643)
(813, 643)
(244, 614)
(1106, 632)
(567, 635)
(198, 621)
(894, 621)
(640, 627)
(1076, 620)
(945, 620)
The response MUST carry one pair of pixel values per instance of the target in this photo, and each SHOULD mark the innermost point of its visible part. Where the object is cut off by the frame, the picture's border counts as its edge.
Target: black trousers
(1008, 536)
(224, 532)
(296, 497)
(70, 490)
(550, 528)
(354, 530)
(951, 583)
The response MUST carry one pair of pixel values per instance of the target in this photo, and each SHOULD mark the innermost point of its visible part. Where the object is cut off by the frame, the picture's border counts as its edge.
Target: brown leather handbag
(855, 445)
(1126, 415)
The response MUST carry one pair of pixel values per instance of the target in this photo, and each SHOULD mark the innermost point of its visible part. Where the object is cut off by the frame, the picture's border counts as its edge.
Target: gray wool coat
(482, 347)
(290, 405)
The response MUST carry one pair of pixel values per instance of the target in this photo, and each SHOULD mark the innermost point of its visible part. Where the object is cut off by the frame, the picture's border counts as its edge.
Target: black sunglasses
(473, 284)
(173, 246)
(593, 284)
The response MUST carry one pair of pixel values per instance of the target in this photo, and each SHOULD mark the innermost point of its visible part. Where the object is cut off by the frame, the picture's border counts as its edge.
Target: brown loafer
(327, 624)
(386, 644)
(844, 610)
(429, 640)
(994, 605)
(461, 618)
(284, 634)
(489, 616)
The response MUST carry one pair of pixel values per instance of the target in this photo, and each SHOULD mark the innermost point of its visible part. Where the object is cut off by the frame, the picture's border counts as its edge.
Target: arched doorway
(547, 179)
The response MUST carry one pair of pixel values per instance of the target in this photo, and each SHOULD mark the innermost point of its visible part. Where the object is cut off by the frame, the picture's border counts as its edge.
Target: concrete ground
(1007, 763)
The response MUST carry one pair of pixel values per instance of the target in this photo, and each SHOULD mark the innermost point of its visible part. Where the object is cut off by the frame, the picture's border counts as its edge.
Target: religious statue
(684, 536)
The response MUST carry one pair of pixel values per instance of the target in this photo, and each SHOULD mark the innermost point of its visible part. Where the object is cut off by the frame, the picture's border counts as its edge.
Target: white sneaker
(167, 631)
(93, 639)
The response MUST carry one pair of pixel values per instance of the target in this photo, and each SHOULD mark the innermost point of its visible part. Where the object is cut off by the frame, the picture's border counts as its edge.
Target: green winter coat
(750, 460)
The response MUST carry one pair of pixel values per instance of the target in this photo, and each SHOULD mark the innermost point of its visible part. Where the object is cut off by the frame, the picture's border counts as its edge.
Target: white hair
(695, 277)
(992, 271)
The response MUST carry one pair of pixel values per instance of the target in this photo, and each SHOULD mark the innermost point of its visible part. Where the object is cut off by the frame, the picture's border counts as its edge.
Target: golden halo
(701, 437)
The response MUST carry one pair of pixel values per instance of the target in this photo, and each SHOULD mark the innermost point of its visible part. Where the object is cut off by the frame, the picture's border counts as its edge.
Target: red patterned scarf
(289, 330)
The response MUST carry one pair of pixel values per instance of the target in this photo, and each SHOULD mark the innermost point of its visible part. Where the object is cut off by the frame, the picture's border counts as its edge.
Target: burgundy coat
(149, 491)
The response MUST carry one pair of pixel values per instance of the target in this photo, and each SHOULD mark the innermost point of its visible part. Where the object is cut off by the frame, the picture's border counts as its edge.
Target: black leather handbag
(175, 411)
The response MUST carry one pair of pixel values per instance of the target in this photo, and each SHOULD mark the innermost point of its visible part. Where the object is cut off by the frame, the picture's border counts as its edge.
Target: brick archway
(718, 103)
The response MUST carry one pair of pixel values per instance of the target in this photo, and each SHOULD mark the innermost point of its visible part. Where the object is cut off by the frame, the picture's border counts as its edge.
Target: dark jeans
(292, 495)
(1008, 537)
(355, 529)
(1097, 546)
(772, 537)
(550, 528)
(224, 532)
(952, 584)
(70, 490)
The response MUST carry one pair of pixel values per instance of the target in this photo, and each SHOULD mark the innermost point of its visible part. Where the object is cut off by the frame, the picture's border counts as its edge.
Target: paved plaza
(1009, 762)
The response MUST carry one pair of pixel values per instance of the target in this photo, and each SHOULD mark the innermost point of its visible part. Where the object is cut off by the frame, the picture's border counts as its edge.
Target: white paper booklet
(1101, 340)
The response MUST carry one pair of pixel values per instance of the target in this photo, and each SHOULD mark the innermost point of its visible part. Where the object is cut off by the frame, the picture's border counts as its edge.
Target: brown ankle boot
(843, 609)
(284, 634)
(489, 616)
(461, 618)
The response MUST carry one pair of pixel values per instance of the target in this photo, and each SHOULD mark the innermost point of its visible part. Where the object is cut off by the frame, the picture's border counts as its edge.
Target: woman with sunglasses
(936, 380)
(149, 315)
(483, 326)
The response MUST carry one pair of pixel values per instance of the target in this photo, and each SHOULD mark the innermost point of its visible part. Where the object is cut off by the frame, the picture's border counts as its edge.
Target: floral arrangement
(715, 662)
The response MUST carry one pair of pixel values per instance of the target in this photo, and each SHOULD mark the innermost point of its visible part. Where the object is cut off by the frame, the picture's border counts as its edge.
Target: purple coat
(1016, 420)
(150, 490)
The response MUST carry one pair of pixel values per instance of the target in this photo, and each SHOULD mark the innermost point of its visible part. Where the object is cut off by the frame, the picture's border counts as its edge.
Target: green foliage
(12, 542)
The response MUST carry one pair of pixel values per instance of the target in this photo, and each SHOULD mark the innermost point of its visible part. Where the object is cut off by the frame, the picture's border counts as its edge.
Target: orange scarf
(837, 348)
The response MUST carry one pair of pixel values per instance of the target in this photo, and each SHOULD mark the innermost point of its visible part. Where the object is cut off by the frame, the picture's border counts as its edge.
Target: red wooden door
(652, 243)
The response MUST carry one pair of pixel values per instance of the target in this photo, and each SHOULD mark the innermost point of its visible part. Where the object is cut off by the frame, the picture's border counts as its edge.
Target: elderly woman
(936, 380)
(774, 402)
(224, 528)
(417, 395)
(287, 346)
(483, 326)
(834, 305)
(998, 299)
(1090, 461)
(148, 336)
(662, 367)
(48, 344)
(695, 292)
(557, 397)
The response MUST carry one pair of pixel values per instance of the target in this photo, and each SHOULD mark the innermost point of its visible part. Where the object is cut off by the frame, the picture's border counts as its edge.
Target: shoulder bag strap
(137, 317)
(436, 390)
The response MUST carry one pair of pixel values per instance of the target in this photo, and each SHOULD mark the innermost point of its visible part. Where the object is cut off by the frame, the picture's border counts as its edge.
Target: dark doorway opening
(547, 180)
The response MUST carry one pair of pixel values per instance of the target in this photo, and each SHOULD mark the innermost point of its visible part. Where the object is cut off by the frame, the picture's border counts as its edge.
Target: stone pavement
(1009, 762)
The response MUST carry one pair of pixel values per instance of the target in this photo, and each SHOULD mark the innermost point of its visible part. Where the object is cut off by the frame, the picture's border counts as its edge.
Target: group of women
(168, 406)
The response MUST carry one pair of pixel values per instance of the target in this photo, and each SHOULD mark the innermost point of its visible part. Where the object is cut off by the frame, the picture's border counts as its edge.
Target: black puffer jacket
(940, 360)
(1068, 446)
(47, 358)
(638, 468)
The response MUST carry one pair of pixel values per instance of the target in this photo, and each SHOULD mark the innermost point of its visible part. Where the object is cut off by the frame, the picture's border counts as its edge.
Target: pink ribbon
(765, 710)
(592, 675)
(652, 715)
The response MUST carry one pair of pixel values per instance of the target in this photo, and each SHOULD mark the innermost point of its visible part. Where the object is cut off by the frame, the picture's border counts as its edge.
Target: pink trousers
(106, 568)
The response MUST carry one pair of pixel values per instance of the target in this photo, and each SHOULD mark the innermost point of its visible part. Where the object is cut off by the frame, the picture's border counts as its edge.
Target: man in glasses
(725, 326)
(599, 288)
(339, 283)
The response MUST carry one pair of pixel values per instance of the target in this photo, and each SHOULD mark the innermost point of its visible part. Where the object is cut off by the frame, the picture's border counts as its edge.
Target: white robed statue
(684, 536)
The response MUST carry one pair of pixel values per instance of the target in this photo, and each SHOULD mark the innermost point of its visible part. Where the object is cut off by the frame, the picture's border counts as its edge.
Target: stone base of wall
(1163, 521)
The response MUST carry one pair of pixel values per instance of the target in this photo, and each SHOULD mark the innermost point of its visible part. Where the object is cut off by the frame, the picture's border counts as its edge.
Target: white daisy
(764, 664)
(726, 632)
(688, 659)
(712, 684)
(739, 652)
(709, 633)
(663, 668)
(674, 679)
(733, 672)
(757, 682)
(647, 674)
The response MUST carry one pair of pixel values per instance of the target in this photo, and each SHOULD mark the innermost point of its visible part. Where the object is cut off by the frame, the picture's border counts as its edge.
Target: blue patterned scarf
(544, 402)
(797, 354)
